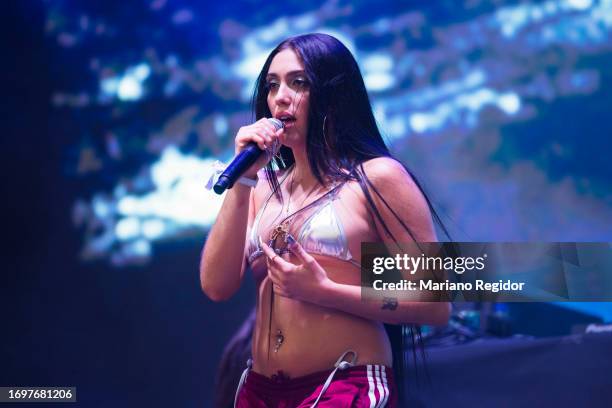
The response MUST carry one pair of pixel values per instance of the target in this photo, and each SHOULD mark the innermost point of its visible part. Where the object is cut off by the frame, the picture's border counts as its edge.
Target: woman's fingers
(270, 130)
(272, 256)
(277, 284)
(275, 259)
(265, 136)
(268, 252)
(267, 124)
(300, 253)
(260, 140)
(261, 132)
(266, 128)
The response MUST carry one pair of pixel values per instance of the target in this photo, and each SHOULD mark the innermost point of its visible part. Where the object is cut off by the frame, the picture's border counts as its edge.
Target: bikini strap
(329, 194)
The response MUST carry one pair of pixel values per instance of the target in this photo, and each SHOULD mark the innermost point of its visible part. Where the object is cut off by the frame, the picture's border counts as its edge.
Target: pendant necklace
(281, 230)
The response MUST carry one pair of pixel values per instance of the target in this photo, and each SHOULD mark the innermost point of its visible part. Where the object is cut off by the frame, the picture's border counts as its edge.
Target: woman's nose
(283, 95)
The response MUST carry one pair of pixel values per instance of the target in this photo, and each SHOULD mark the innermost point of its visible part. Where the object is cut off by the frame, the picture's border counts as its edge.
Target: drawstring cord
(242, 380)
(340, 365)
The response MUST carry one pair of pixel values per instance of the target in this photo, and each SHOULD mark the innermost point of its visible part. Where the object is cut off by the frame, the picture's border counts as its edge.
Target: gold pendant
(280, 230)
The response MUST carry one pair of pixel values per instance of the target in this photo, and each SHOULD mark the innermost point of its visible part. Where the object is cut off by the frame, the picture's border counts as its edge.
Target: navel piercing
(279, 340)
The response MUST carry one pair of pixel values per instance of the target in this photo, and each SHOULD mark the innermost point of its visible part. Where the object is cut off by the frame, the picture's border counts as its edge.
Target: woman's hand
(264, 134)
(305, 281)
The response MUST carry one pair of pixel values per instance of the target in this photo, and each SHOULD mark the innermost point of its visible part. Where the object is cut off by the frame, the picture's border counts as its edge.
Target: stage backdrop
(500, 108)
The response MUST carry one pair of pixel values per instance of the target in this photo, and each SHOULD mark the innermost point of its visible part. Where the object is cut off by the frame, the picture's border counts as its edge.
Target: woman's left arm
(308, 281)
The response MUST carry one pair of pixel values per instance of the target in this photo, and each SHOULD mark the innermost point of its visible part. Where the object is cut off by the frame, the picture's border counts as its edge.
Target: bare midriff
(313, 337)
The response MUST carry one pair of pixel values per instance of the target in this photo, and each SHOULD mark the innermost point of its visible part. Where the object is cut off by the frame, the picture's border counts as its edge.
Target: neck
(302, 173)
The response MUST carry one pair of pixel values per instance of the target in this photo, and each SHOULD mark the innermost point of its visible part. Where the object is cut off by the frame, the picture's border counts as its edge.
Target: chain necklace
(282, 229)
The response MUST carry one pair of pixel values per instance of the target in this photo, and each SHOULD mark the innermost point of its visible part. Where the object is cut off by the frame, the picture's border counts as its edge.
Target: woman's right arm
(223, 262)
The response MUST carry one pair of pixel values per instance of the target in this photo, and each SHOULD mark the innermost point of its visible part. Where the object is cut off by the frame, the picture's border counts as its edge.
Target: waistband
(281, 385)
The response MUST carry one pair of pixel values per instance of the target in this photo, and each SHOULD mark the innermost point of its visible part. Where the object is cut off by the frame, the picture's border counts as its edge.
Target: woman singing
(331, 185)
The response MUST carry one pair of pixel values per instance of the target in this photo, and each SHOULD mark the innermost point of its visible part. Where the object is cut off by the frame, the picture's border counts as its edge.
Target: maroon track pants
(367, 386)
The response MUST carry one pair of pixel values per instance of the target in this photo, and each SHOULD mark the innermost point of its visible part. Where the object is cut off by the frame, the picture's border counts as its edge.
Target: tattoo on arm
(389, 303)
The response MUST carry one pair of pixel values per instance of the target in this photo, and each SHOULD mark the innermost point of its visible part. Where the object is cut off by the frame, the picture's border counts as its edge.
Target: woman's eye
(300, 82)
(271, 85)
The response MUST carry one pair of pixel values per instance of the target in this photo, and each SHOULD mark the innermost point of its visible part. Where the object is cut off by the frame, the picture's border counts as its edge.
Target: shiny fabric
(321, 233)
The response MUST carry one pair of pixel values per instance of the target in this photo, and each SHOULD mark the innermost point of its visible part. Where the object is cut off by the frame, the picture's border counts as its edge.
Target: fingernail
(290, 240)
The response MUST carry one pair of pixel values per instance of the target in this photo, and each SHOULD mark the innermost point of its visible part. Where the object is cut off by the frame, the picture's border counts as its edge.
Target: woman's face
(288, 94)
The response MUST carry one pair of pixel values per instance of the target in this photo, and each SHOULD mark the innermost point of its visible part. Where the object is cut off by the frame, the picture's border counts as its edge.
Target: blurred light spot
(66, 40)
(220, 125)
(377, 62)
(396, 127)
(136, 250)
(140, 71)
(475, 100)
(379, 81)
(158, 4)
(109, 86)
(129, 89)
(182, 17)
(127, 228)
(305, 22)
(153, 229)
(127, 205)
(419, 122)
(510, 103)
(249, 68)
(381, 26)
(272, 32)
(100, 207)
(172, 61)
(165, 171)
(580, 4)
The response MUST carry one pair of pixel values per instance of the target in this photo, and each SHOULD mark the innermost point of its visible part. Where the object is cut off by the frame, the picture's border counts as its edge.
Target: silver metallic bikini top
(321, 232)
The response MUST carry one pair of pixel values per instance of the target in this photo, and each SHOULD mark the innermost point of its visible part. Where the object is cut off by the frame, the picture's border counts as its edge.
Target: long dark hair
(342, 135)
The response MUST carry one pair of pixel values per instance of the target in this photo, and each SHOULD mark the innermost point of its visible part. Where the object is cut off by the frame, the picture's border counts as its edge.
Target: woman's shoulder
(383, 164)
(386, 171)
(393, 182)
(396, 194)
(379, 173)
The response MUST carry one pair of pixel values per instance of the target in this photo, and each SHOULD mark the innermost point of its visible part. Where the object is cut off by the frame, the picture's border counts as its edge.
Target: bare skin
(317, 300)
(314, 335)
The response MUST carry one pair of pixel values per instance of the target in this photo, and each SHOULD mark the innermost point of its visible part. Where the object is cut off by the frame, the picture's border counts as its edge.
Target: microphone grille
(278, 124)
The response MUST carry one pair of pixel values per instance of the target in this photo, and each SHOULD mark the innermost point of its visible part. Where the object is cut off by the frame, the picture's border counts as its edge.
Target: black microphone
(242, 162)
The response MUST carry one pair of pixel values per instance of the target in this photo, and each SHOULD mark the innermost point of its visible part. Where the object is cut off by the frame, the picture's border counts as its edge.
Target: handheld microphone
(242, 162)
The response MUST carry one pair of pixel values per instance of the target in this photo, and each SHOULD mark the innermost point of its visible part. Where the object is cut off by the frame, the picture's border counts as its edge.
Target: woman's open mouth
(287, 119)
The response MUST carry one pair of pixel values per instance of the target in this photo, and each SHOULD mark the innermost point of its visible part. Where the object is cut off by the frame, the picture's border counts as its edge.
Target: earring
(324, 136)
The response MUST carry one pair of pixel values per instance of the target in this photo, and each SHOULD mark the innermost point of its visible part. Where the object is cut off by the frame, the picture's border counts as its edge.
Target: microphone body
(241, 163)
